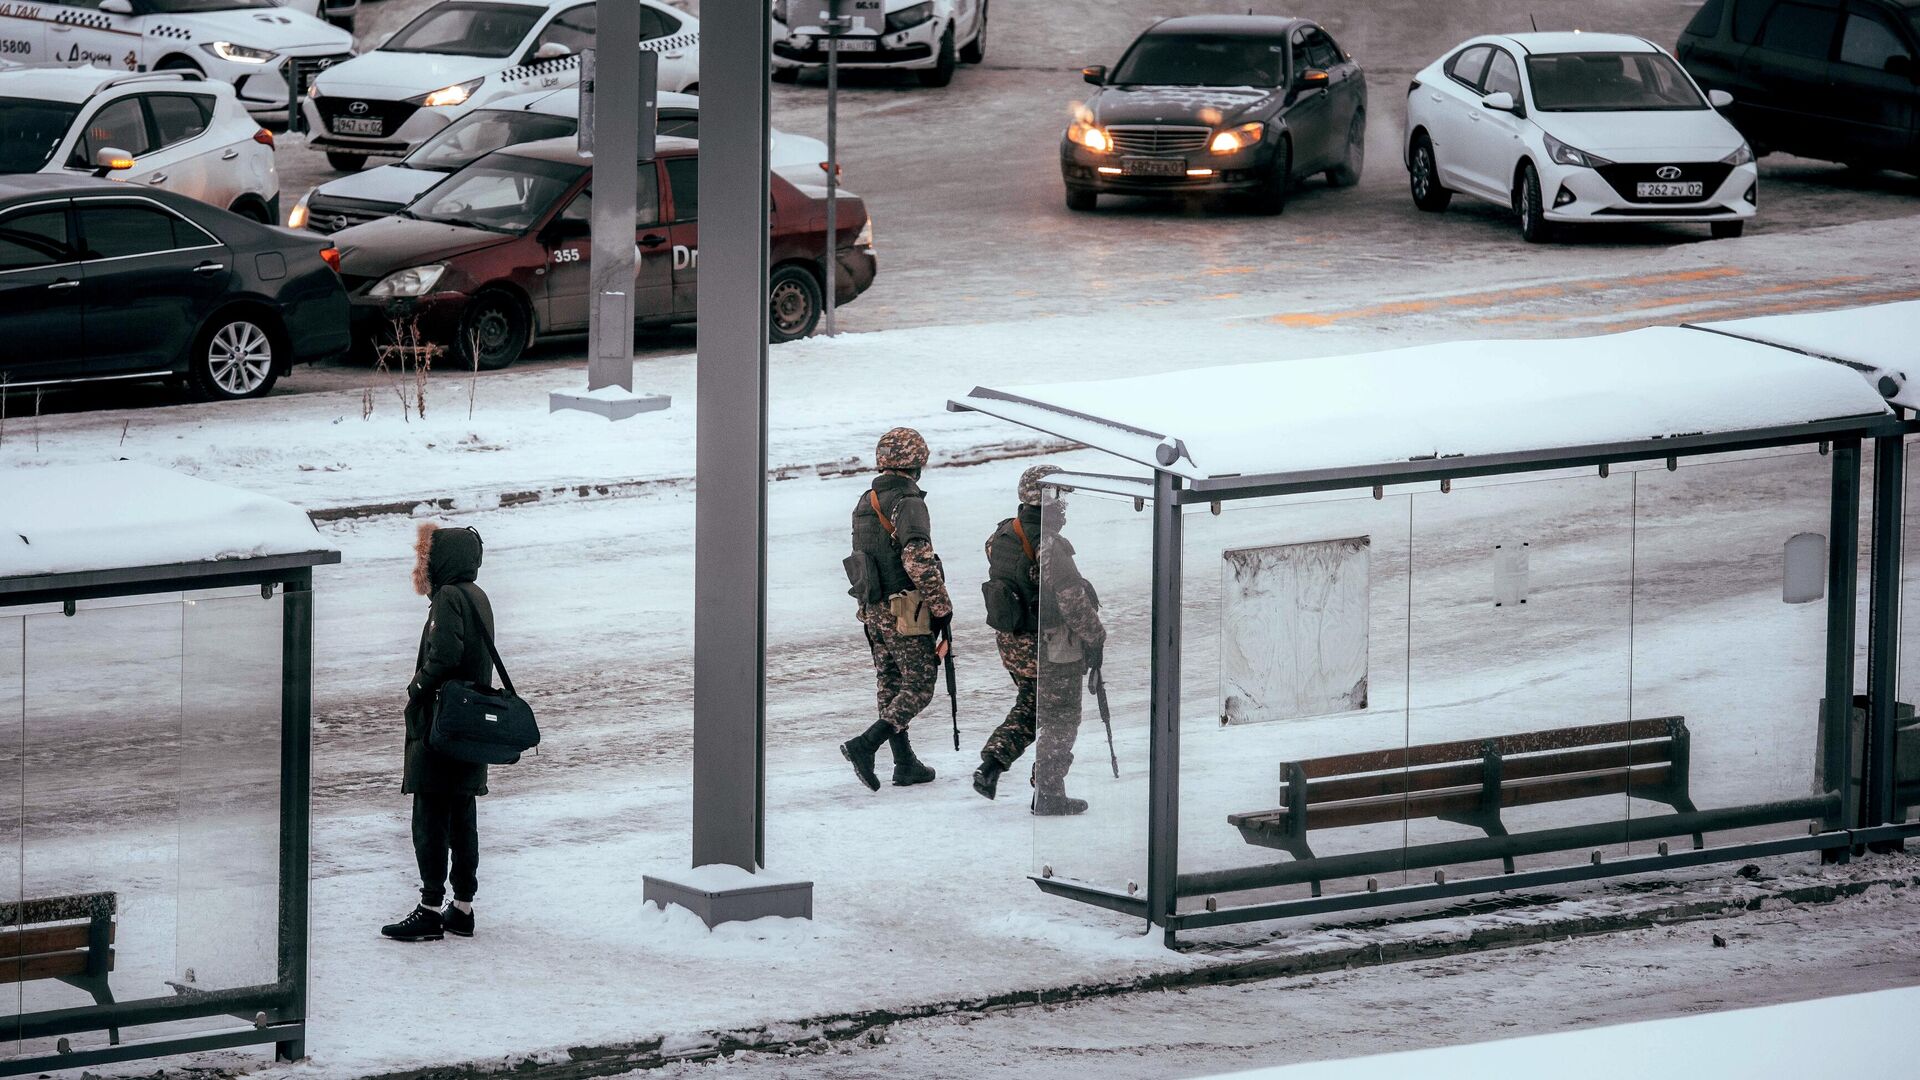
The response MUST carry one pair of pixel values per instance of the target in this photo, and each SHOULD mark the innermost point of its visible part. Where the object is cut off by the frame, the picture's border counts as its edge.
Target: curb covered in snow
(1637, 906)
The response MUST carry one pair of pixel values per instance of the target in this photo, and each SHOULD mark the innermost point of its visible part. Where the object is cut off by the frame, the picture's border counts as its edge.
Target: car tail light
(331, 256)
(264, 138)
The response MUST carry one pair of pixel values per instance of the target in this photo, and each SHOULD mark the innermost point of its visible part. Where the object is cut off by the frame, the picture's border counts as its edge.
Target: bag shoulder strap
(1021, 532)
(506, 681)
(873, 500)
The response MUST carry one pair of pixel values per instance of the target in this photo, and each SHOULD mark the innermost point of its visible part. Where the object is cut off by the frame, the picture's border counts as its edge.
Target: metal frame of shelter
(270, 1014)
(1854, 821)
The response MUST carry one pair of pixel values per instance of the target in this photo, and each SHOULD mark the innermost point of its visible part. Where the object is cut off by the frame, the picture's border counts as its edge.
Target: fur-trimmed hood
(444, 557)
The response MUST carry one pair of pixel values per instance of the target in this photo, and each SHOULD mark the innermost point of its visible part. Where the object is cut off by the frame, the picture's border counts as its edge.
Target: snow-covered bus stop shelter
(155, 753)
(1481, 616)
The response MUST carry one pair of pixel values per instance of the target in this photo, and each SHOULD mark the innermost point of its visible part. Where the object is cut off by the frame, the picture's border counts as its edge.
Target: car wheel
(252, 210)
(347, 163)
(1347, 173)
(794, 304)
(1727, 230)
(1082, 199)
(493, 333)
(179, 63)
(1423, 177)
(786, 74)
(1271, 197)
(233, 358)
(976, 50)
(941, 73)
(1534, 227)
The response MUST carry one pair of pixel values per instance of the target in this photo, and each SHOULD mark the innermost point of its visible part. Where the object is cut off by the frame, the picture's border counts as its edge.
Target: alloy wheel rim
(1422, 171)
(239, 358)
(789, 307)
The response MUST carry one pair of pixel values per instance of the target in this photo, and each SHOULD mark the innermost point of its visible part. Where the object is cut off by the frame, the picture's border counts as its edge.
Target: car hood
(403, 75)
(1211, 105)
(1681, 135)
(391, 184)
(262, 28)
(382, 246)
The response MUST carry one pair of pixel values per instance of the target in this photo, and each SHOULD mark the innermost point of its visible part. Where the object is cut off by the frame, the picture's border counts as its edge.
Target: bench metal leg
(102, 994)
(296, 1049)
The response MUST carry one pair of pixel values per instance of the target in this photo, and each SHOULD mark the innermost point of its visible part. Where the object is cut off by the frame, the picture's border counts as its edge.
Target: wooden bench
(1471, 781)
(69, 938)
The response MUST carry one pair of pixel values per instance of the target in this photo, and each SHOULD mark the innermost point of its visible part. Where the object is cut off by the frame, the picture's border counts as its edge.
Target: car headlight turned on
(1741, 156)
(451, 95)
(865, 239)
(1563, 154)
(1239, 138)
(908, 17)
(239, 54)
(413, 281)
(297, 219)
(1090, 136)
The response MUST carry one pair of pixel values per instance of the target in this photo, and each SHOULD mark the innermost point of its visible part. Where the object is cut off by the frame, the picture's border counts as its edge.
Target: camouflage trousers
(905, 669)
(1046, 711)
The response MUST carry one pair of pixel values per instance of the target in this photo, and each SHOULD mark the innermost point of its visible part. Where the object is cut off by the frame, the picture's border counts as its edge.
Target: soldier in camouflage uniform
(903, 605)
(1060, 640)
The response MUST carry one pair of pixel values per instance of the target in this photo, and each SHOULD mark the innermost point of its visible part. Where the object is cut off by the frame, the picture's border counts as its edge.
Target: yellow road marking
(1503, 296)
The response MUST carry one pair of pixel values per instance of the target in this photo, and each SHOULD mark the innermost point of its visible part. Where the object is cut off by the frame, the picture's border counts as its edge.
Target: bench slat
(1340, 789)
(58, 965)
(1409, 757)
(1462, 800)
(44, 939)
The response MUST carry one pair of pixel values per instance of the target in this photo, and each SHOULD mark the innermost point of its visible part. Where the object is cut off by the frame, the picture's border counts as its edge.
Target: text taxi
(249, 43)
(498, 254)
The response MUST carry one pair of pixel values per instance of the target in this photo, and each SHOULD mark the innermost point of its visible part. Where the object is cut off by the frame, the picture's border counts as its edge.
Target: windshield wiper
(465, 223)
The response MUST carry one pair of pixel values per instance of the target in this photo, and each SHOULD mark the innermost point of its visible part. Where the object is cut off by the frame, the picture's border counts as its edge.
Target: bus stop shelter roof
(123, 525)
(1881, 341)
(1451, 409)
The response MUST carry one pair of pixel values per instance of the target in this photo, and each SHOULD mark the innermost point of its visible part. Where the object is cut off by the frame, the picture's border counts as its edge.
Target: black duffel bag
(480, 724)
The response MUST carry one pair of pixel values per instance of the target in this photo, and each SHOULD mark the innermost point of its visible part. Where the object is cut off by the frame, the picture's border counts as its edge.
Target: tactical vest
(874, 539)
(1008, 562)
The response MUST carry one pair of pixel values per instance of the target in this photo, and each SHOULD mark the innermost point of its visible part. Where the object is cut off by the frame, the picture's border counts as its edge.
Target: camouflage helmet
(902, 448)
(1030, 483)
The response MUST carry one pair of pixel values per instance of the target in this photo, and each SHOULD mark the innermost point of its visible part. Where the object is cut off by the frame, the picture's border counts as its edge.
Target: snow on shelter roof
(1466, 399)
(1881, 341)
(124, 515)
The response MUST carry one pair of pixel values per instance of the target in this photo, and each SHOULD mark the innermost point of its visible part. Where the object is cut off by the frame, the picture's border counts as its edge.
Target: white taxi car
(253, 44)
(1576, 128)
(459, 55)
(181, 132)
(927, 37)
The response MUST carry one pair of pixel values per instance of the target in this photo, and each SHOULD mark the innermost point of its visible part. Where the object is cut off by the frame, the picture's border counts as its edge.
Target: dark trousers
(443, 825)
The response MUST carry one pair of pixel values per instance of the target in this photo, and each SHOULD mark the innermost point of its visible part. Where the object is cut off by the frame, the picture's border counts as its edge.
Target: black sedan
(1238, 105)
(101, 281)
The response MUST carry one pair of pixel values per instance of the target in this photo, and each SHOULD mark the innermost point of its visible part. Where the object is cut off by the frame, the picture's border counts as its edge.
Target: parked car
(338, 12)
(1818, 78)
(249, 43)
(543, 114)
(1575, 128)
(102, 282)
(183, 133)
(498, 255)
(460, 55)
(928, 37)
(1240, 105)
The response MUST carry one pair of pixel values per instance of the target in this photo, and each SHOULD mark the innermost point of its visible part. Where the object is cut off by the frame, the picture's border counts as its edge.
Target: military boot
(1050, 800)
(861, 748)
(986, 778)
(908, 770)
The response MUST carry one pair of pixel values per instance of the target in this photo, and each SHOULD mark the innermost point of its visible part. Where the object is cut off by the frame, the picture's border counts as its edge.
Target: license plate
(370, 125)
(1694, 190)
(849, 44)
(1134, 166)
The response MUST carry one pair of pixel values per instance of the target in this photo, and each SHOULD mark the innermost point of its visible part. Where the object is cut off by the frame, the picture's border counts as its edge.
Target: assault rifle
(1097, 683)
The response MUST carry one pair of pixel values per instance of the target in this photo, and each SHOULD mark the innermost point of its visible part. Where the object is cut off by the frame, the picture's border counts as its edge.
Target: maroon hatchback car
(497, 254)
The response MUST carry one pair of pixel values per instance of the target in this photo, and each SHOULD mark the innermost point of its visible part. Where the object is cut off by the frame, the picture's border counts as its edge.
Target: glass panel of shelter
(1906, 797)
(12, 770)
(1096, 560)
(1520, 720)
(1730, 608)
(1293, 659)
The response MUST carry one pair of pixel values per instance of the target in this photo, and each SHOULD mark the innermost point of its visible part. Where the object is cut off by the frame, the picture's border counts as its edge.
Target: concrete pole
(730, 514)
(618, 70)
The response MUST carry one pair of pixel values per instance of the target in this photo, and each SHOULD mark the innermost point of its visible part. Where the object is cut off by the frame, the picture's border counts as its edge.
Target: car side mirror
(1095, 74)
(1719, 99)
(116, 7)
(552, 50)
(1501, 101)
(111, 159)
(1312, 79)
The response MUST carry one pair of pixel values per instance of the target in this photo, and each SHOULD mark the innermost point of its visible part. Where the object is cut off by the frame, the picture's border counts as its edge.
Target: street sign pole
(833, 167)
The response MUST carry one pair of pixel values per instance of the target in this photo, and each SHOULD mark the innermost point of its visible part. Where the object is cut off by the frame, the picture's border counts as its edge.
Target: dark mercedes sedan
(1240, 105)
(101, 281)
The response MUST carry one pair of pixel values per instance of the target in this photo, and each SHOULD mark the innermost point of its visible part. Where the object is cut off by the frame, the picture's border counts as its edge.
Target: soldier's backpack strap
(873, 500)
(1024, 542)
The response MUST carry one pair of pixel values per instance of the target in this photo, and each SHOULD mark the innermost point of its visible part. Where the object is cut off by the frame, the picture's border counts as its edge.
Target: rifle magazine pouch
(863, 578)
(1005, 613)
(1059, 646)
(910, 615)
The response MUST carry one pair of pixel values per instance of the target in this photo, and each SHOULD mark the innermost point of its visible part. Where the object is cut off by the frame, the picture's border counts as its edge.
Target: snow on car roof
(1878, 341)
(1455, 399)
(566, 101)
(74, 85)
(566, 148)
(1225, 24)
(1578, 42)
(124, 514)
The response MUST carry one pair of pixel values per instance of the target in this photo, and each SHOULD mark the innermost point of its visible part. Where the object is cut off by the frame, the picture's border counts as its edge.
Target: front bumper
(436, 317)
(854, 275)
(403, 126)
(912, 48)
(265, 88)
(1242, 171)
(1597, 199)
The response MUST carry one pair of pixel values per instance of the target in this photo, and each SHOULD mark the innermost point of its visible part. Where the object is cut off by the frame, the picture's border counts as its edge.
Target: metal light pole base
(721, 893)
(611, 402)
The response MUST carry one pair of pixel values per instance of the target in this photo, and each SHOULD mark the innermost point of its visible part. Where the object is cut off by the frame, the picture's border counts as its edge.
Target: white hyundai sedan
(1576, 128)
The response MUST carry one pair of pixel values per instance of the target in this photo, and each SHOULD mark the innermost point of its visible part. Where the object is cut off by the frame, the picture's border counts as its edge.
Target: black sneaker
(459, 923)
(421, 924)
